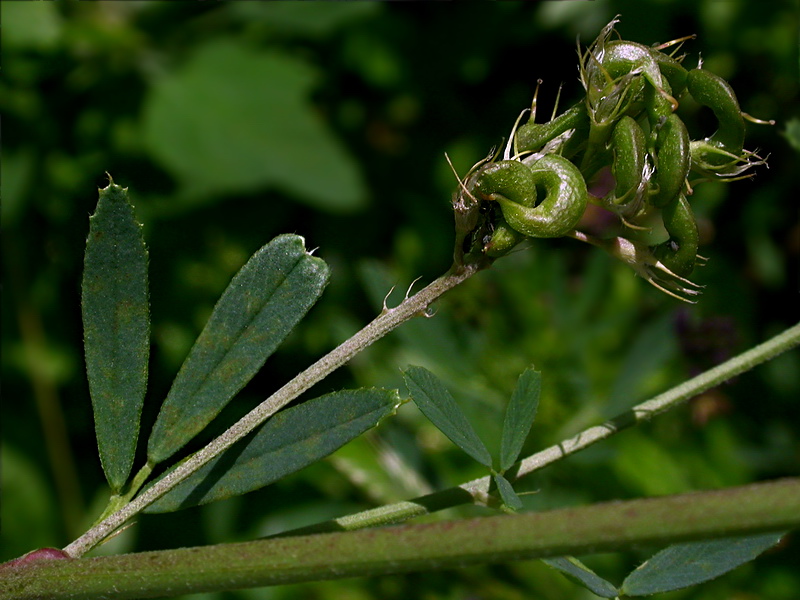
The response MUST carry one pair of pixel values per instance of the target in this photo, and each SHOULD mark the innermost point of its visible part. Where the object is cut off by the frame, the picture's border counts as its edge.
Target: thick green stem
(477, 489)
(389, 319)
(758, 508)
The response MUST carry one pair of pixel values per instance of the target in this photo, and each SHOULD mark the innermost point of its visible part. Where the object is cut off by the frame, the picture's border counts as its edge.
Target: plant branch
(753, 509)
(477, 489)
(389, 319)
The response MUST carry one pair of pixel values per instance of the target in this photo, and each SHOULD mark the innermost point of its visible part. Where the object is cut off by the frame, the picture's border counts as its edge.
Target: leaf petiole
(387, 321)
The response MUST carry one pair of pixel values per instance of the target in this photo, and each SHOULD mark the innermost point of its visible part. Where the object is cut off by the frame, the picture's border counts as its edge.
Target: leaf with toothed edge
(684, 565)
(263, 302)
(432, 398)
(287, 442)
(575, 570)
(507, 493)
(116, 329)
(519, 416)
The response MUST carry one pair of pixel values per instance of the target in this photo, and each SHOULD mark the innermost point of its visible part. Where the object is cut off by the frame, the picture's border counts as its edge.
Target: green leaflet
(582, 575)
(683, 565)
(436, 403)
(116, 329)
(520, 413)
(289, 441)
(507, 493)
(262, 304)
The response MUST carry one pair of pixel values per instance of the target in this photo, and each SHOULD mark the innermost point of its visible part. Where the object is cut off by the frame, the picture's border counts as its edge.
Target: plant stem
(753, 509)
(477, 489)
(389, 319)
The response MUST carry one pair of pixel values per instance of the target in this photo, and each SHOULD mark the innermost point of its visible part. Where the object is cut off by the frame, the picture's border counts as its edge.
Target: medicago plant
(624, 149)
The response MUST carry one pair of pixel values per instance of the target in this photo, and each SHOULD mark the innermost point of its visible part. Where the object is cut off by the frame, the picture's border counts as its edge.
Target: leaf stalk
(475, 491)
(388, 320)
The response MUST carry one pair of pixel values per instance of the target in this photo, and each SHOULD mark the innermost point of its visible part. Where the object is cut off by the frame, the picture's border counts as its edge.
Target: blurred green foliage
(234, 122)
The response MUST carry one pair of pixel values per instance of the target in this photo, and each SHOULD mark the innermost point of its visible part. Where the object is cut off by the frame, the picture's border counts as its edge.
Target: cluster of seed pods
(626, 125)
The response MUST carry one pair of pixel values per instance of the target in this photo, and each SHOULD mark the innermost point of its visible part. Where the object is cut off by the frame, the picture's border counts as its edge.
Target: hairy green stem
(476, 491)
(389, 319)
(758, 508)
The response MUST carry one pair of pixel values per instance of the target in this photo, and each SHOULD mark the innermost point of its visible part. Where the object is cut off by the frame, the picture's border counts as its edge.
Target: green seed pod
(679, 253)
(659, 104)
(532, 136)
(621, 78)
(503, 239)
(629, 149)
(513, 184)
(620, 57)
(713, 91)
(511, 179)
(673, 161)
(672, 71)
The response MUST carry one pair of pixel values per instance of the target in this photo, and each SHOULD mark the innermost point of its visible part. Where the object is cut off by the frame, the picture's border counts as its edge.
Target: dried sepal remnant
(626, 127)
(641, 259)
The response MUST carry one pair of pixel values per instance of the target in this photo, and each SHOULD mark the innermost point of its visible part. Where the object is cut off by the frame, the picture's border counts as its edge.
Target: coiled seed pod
(629, 150)
(673, 160)
(728, 140)
(513, 184)
(531, 136)
(672, 70)
(679, 253)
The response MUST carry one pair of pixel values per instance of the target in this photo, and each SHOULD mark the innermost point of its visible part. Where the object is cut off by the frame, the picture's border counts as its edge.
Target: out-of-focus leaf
(683, 565)
(767, 257)
(379, 470)
(28, 511)
(436, 403)
(36, 25)
(18, 168)
(519, 417)
(116, 329)
(376, 61)
(792, 132)
(646, 468)
(302, 19)
(582, 575)
(652, 347)
(507, 493)
(233, 119)
(289, 441)
(263, 302)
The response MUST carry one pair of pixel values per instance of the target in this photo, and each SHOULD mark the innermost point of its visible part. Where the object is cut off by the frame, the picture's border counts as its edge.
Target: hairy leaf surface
(582, 575)
(507, 493)
(263, 302)
(116, 329)
(519, 417)
(432, 398)
(683, 565)
(289, 441)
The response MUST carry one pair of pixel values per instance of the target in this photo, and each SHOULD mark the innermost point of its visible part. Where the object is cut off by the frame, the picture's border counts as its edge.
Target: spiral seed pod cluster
(627, 127)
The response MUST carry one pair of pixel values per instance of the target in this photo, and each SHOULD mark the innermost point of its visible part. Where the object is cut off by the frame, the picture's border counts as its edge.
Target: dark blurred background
(233, 122)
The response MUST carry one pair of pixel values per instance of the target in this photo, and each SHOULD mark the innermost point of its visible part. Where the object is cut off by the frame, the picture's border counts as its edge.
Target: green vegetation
(233, 124)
